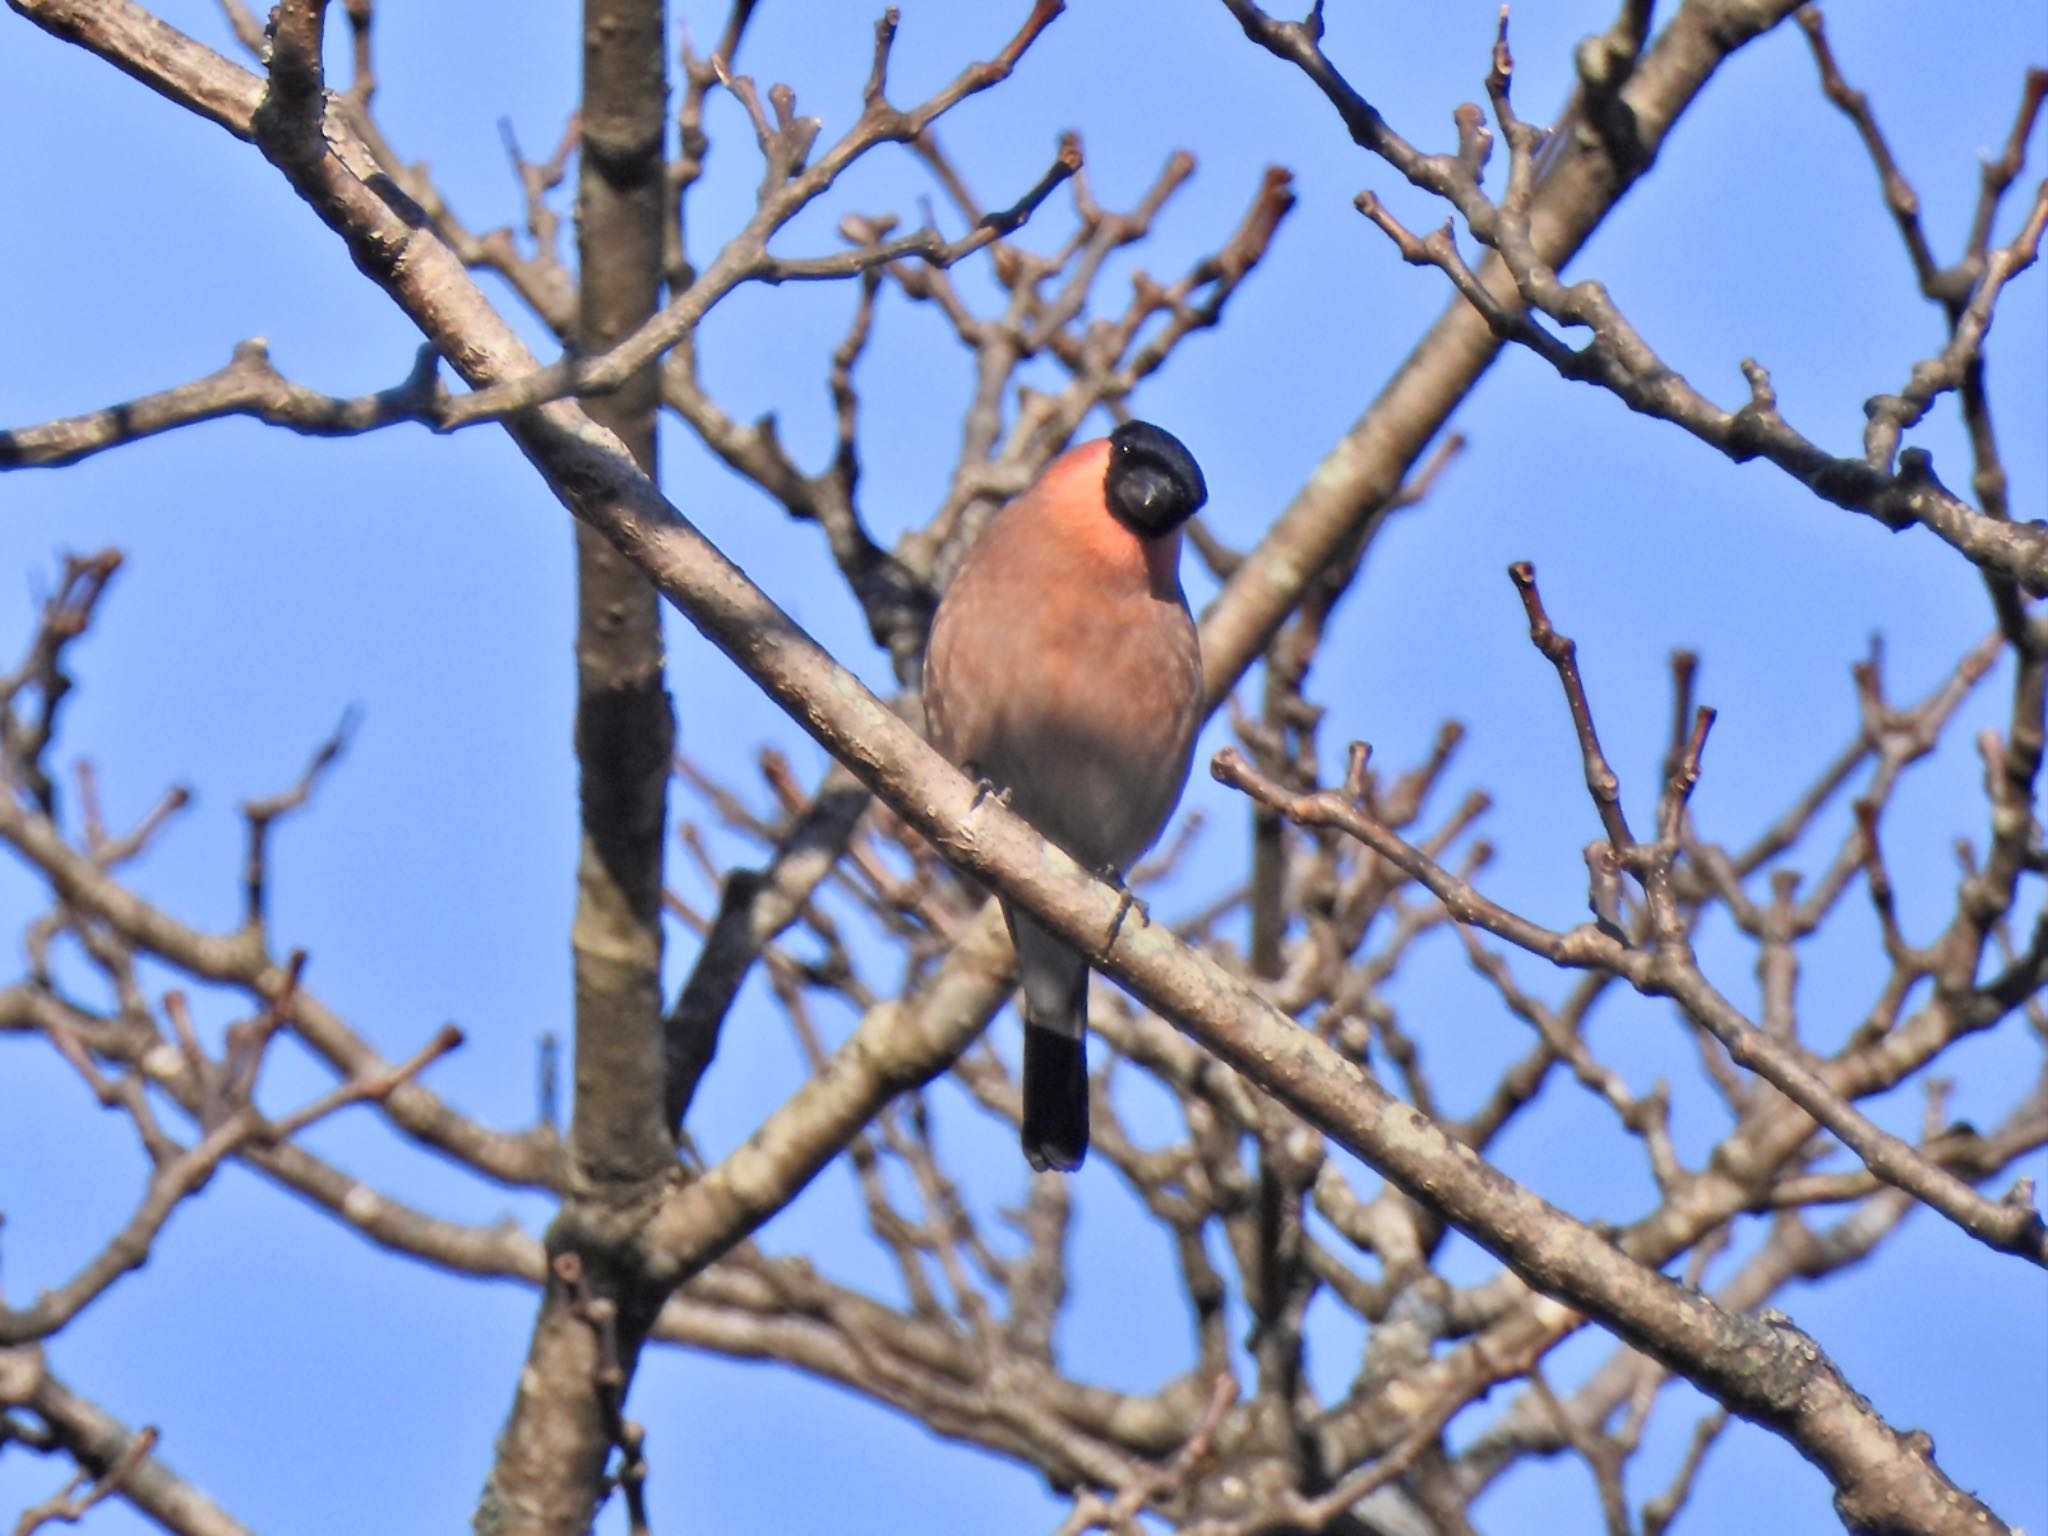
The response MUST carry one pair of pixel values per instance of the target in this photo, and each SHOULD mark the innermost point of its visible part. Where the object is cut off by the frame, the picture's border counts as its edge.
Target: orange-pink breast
(1064, 667)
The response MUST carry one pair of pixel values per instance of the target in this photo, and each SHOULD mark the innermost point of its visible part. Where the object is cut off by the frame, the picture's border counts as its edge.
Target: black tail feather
(1055, 985)
(1055, 1099)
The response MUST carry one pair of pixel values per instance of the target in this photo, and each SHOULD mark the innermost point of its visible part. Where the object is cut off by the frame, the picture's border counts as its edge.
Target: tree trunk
(566, 1416)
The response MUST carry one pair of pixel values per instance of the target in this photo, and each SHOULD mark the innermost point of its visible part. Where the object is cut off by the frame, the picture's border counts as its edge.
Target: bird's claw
(987, 789)
(1127, 899)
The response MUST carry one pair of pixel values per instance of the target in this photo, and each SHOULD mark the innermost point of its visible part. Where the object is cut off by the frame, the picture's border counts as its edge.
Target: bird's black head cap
(1154, 484)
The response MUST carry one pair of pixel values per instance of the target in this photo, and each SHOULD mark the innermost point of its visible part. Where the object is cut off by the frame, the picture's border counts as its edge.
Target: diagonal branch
(1584, 183)
(1619, 360)
(101, 1445)
(1669, 969)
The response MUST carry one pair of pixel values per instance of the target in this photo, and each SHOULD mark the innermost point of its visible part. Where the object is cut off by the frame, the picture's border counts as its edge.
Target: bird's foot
(987, 789)
(1127, 900)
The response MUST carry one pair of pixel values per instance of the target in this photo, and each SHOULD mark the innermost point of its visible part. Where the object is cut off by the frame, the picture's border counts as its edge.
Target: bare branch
(250, 385)
(102, 1447)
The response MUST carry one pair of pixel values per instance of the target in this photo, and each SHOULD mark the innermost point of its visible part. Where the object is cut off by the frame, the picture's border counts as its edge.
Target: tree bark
(567, 1413)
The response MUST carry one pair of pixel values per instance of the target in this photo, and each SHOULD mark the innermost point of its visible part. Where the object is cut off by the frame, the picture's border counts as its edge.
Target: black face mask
(1154, 484)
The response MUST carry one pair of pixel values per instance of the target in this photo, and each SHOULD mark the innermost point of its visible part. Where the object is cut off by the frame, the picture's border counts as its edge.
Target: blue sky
(274, 582)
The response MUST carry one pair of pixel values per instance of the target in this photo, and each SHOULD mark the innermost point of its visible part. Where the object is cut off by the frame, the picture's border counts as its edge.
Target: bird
(1064, 673)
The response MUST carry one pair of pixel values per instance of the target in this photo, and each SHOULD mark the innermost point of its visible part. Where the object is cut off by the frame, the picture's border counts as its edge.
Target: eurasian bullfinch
(1064, 670)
